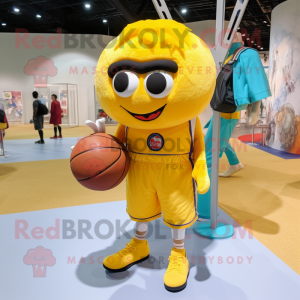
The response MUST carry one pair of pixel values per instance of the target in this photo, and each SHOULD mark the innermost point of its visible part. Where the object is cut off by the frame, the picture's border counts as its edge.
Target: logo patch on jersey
(155, 142)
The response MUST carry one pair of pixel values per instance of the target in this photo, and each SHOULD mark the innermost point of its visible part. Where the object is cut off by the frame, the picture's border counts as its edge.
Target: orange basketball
(99, 162)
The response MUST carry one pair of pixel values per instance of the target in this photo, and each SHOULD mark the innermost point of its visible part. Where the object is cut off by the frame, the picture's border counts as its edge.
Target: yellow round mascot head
(155, 74)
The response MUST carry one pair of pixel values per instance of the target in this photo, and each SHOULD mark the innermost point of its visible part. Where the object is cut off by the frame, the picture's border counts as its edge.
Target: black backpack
(223, 98)
(42, 109)
(2, 116)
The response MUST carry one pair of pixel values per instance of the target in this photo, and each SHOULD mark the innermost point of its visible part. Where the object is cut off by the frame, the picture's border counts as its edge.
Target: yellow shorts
(161, 184)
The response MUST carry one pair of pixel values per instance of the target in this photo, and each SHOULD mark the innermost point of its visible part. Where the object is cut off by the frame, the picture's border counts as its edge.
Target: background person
(3, 126)
(56, 114)
(228, 123)
(248, 86)
(38, 120)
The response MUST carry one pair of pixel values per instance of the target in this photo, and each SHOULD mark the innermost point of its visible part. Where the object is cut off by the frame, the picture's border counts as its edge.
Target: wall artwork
(13, 104)
(283, 108)
(63, 99)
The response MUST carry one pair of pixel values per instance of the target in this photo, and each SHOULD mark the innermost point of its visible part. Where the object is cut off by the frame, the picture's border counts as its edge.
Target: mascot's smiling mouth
(147, 117)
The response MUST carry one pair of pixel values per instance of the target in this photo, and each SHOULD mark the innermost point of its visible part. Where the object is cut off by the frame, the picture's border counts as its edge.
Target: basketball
(99, 161)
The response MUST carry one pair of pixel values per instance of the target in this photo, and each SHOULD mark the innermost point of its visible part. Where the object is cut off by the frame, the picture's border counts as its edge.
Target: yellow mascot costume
(158, 78)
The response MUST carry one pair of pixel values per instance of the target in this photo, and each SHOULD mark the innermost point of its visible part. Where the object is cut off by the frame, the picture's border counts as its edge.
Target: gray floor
(239, 268)
(26, 150)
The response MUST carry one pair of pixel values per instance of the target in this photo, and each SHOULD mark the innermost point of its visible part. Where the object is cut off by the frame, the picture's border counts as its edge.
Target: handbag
(223, 98)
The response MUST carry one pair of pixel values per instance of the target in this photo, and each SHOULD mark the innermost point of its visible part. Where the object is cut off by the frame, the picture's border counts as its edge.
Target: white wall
(84, 56)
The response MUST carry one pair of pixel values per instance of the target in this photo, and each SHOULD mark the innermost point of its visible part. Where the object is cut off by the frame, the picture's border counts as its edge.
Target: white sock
(232, 169)
(141, 227)
(178, 234)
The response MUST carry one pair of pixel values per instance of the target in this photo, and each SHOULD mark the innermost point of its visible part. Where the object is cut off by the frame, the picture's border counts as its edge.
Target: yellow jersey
(159, 180)
(176, 140)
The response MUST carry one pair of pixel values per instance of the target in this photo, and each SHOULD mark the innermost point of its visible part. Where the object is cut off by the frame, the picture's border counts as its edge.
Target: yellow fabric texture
(120, 133)
(160, 181)
(228, 116)
(176, 140)
(200, 169)
(178, 269)
(3, 126)
(193, 86)
(164, 182)
(235, 115)
(134, 251)
(158, 184)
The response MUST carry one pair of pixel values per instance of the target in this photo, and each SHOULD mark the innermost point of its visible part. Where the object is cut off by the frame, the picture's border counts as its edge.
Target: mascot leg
(136, 251)
(178, 270)
(141, 230)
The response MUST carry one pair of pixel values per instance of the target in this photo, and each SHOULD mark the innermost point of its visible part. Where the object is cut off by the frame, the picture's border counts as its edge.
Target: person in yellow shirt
(154, 90)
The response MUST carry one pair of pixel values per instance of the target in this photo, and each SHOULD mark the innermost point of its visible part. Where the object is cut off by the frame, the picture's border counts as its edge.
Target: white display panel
(13, 105)
(68, 98)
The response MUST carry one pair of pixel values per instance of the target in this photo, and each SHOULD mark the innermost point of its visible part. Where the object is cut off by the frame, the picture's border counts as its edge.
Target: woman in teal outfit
(250, 85)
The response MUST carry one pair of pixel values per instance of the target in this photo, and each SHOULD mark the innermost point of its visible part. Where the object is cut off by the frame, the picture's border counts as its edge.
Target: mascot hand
(97, 127)
(201, 176)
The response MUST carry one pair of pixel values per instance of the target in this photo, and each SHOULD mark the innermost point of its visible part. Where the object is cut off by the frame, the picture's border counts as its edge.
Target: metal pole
(215, 170)
(162, 9)
(216, 125)
(220, 31)
(221, 54)
(1, 144)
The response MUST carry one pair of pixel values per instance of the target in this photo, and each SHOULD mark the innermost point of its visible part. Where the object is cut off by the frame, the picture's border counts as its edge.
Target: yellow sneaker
(135, 252)
(178, 271)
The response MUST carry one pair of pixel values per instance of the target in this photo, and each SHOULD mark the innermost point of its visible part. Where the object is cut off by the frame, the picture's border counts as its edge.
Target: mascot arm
(120, 133)
(200, 173)
(97, 127)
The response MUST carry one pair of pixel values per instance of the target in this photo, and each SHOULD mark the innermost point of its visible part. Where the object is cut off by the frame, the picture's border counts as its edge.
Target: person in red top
(56, 114)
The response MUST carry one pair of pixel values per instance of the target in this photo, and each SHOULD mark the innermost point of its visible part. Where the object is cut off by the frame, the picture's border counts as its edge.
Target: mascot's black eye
(121, 82)
(125, 83)
(158, 84)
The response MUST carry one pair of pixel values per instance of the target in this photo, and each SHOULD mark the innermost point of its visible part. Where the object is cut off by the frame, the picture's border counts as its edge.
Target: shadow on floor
(160, 241)
(5, 171)
(291, 190)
